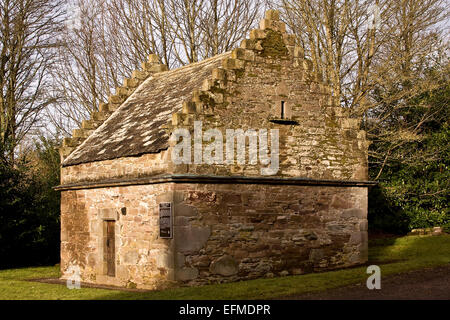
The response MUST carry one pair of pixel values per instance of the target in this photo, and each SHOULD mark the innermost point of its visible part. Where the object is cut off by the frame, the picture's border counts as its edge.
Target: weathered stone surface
(225, 266)
(180, 260)
(363, 225)
(163, 259)
(186, 274)
(356, 237)
(316, 255)
(185, 210)
(108, 214)
(354, 213)
(191, 238)
(249, 231)
(181, 221)
(131, 257)
(201, 261)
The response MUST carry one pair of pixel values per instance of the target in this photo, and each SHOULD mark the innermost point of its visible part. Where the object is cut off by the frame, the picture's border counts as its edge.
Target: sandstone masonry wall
(221, 232)
(142, 258)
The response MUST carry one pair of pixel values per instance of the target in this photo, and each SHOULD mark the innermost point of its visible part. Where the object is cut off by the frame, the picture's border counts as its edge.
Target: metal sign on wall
(165, 220)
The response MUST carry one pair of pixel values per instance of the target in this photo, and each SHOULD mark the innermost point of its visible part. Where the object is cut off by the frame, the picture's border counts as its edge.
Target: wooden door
(110, 248)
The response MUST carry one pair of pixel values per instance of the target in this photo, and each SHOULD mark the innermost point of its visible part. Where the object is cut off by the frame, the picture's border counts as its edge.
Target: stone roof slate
(135, 127)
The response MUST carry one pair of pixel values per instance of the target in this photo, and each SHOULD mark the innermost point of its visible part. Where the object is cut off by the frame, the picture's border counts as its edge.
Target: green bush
(29, 209)
(413, 172)
(384, 216)
(446, 227)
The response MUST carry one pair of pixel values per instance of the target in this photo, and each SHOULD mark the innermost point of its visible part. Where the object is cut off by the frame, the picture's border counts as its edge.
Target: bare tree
(140, 26)
(226, 22)
(27, 43)
(347, 47)
(375, 55)
(86, 70)
(111, 38)
(337, 38)
(180, 31)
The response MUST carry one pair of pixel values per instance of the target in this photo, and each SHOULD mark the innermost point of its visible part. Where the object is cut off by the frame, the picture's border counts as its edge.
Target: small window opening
(283, 114)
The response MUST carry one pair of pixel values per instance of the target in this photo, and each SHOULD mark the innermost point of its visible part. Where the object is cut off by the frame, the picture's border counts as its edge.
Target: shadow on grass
(396, 255)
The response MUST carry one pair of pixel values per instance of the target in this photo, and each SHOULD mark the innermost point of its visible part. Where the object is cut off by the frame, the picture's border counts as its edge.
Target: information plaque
(165, 220)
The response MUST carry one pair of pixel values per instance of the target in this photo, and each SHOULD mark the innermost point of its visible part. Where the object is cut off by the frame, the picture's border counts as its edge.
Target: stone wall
(264, 231)
(318, 138)
(142, 258)
(130, 167)
(222, 232)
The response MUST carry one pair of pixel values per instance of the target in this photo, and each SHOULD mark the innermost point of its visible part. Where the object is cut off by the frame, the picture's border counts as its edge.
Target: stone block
(163, 259)
(189, 107)
(247, 44)
(272, 15)
(225, 266)
(185, 210)
(316, 255)
(138, 74)
(232, 64)
(356, 237)
(131, 83)
(201, 261)
(122, 272)
(218, 74)
(266, 24)
(243, 54)
(130, 257)
(103, 107)
(257, 34)
(354, 213)
(153, 58)
(180, 260)
(116, 99)
(191, 238)
(108, 214)
(186, 274)
(363, 225)
(181, 221)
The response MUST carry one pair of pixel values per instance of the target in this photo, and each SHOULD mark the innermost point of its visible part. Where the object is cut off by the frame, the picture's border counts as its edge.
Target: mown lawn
(393, 256)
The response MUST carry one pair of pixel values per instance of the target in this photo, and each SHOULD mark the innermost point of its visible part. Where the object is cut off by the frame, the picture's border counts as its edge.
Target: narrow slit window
(282, 109)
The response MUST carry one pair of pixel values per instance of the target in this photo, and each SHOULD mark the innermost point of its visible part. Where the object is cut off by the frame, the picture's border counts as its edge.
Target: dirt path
(427, 284)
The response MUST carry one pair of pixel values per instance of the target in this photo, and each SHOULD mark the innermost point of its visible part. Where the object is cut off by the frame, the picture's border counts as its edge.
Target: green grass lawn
(393, 255)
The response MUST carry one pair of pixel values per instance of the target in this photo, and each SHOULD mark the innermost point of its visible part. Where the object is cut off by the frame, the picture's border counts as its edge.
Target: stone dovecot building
(133, 216)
